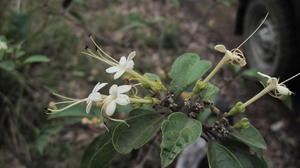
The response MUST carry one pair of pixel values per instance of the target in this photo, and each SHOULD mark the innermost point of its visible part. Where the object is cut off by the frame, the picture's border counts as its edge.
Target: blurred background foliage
(44, 39)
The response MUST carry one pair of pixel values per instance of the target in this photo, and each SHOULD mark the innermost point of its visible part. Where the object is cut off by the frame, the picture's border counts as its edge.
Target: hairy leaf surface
(250, 136)
(142, 128)
(178, 131)
(186, 70)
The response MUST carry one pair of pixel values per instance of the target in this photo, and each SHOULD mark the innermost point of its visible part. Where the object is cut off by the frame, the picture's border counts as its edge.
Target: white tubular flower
(280, 89)
(230, 57)
(94, 96)
(123, 66)
(116, 97)
(233, 56)
(3, 45)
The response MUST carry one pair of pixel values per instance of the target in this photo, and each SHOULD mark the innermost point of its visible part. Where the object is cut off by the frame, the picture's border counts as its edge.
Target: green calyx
(239, 108)
(148, 80)
(200, 85)
(243, 123)
(153, 100)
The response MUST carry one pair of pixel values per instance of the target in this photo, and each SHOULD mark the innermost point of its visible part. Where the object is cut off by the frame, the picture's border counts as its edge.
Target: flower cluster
(108, 102)
(116, 95)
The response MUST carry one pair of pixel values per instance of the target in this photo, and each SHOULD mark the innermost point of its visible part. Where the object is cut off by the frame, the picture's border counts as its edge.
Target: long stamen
(263, 21)
(103, 58)
(64, 102)
(99, 48)
(290, 78)
(64, 97)
(118, 120)
(64, 108)
(107, 56)
(91, 54)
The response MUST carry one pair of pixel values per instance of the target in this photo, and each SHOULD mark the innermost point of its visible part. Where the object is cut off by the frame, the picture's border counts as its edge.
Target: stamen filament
(64, 108)
(64, 97)
(290, 78)
(99, 58)
(263, 21)
(99, 48)
(64, 102)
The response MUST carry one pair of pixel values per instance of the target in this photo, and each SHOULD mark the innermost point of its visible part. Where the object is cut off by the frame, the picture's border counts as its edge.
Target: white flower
(3, 45)
(116, 97)
(233, 56)
(280, 89)
(94, 96)
(123, 66)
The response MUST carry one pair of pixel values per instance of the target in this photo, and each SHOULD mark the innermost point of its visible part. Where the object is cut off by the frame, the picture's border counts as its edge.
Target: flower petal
(113, 90)
(96, 87)
(112, 69)
(264, 75)
(124, 88)
(122, 60)
(283, 90)
(95, 96)
(119, 73)
(99, 86)
(110, 108)
(122, 99)
(130, 64)
(220, 48)
(88, 107)
(131, 55)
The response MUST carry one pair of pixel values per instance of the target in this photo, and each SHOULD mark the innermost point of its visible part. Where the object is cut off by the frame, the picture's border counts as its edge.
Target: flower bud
(239, 108)
(243, 123)
(199, 86)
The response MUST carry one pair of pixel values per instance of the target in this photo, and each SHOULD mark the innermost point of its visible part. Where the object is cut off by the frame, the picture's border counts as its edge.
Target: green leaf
(208, 92)
(152, 76)
(141, 111)
(178, 131)
(77, 111)
(100, 152)
(241, 151)
(220, 157)
(37, 58)
(250, 136)
(7, 65)
(186, 70)
(43, 138)
(142, 128)
(202, 116)
(126, 109)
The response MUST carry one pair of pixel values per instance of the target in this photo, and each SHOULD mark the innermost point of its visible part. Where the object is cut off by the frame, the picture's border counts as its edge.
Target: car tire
(272, 48)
